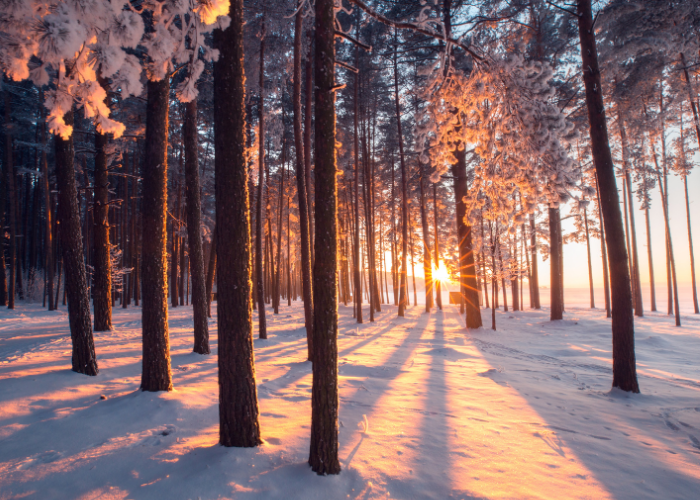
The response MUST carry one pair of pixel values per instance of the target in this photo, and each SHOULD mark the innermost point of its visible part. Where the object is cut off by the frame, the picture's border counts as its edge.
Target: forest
(355, 237)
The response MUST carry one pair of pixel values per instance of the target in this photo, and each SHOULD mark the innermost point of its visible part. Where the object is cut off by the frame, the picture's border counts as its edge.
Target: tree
(238, 401)
(83, 358)
(323, 456)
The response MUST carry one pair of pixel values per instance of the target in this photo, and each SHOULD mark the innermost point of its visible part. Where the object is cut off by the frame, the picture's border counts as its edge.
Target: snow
(428, 410)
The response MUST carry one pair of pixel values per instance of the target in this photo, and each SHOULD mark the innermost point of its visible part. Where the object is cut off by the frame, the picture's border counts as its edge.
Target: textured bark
(555, 248)
(636, 280)
(323, 456)
(194, 232)
(624, 362)
(83, 359)
(260, 280)
(280, 210)
(514, 278)
(652, 290)
(238, 402)
(301, 188)
(3, 204)
(308, 114)
(156, 375)
(102, 276)
(467, 269)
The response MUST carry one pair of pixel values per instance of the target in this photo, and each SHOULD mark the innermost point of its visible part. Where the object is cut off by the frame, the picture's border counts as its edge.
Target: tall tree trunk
(102, 276)
(356, 240)
(438, 285)
(624, 362)
(83, 359)
(211, 272)
(555, 247)
(403, 295)
(690, 246)
(308, 113)
(9, 180)
(194, 232)
(514, 276)
(535, 288)
(49, 267)
(280, 206)
(604, 254)
(670, 251)
(301, 188)
(238, 401)
(260, 285)
(156, 374)
(590, 263)
(636, 280)
(323, 456)
(3, 202)
(467, 269)
(427, 261)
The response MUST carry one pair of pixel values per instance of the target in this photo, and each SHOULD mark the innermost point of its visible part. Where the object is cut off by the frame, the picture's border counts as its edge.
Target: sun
(441, 274)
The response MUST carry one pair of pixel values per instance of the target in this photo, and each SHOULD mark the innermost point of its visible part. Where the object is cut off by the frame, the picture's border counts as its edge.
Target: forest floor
(427, 410)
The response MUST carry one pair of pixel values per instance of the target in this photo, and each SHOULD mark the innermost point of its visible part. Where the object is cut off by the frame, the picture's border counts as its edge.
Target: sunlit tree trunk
(156, 374)
(102, 276)
(624, 362)
(438, 290)
(403, 295)
(260, 288)
(588, 252)
(301, 188)
(238, 401)
(535, 287)
(323, 456)
(211, 272)
(555, 248)
(690, 246)
(427, 261)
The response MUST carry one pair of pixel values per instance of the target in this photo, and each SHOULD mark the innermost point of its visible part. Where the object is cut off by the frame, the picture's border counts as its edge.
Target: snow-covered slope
(428, 410)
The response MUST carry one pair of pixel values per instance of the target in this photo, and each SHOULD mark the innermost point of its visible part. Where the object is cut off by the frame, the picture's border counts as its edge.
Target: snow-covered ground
(428, 410)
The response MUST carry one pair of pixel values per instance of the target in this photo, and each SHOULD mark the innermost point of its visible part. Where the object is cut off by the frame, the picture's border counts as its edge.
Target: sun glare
(441, 274)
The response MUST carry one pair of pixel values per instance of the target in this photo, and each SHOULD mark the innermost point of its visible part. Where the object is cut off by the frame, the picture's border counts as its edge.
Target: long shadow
(662, 479)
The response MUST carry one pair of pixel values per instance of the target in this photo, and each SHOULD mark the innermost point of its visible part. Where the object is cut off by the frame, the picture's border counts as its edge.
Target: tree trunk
(690, 246)
(260, 286)
(636, 280)
(301, 188)
(427, 261)
(403, 295)
(356, 241)
(672, 261)
(238, 401)
(693, 105)
(280, 206)
(323, 456)
(156, 374)
(308, 113)
(102, 276)
(438, 285)
(555, 248)
(211, 271)
(624, 363)
(48, 214)
(604, 253)
(3, 202)
(194, 232)
(535, 287)
(590, 263)
(514, 277)
(9, 171)
(83, 359)
(467, 269)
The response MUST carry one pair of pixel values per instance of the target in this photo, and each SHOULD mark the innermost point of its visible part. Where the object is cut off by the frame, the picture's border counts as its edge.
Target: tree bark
(260, 285)
(301, 188)
(555, 247)
(604, 253)
(83, 358)
(356, 240)
(467, 269)
(535, 288)
(238, 401)
(690, 246)
(156, 374)
(194, 232)
(323, 456)
(211, 272)
(672, 261)
(102, 277)
(624, 363)
(48, 213)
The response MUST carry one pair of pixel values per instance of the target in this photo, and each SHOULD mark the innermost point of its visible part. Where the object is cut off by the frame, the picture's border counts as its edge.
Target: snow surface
(428, 410)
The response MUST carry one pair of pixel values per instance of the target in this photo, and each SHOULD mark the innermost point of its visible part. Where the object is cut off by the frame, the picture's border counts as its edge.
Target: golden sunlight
(441, 274)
